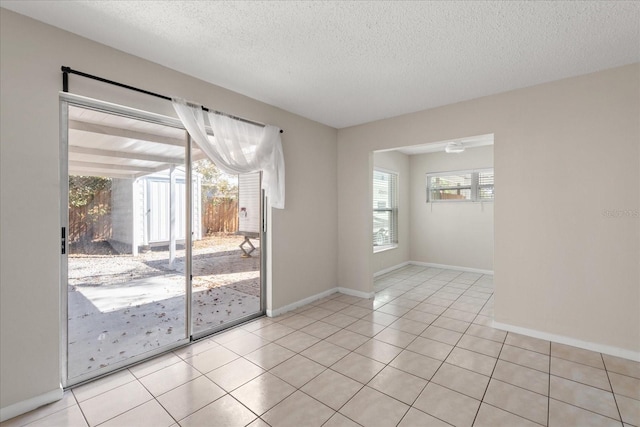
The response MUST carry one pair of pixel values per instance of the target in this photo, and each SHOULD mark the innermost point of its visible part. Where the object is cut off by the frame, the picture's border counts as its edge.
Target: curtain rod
(65, 88)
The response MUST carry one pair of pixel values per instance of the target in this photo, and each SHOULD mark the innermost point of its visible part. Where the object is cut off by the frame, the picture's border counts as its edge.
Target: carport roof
(114, 146)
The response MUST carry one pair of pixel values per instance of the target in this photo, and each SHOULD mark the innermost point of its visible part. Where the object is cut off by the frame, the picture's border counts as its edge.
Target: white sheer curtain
(238, 147)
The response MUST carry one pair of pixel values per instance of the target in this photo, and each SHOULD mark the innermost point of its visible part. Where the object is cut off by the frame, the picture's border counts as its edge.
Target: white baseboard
(600, 348)
(30, 404)
(390, 269)
(362, 294)
(354, 293)
(432, 265)
(305, 301)
(312, 298)
(451, 267)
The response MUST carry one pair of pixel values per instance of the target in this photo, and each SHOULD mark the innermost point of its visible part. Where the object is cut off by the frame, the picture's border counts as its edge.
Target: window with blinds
(471, 186)
(385, 209)
(485, 185)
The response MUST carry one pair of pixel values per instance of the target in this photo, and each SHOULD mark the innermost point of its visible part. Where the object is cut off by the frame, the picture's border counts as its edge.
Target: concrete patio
(123, 306)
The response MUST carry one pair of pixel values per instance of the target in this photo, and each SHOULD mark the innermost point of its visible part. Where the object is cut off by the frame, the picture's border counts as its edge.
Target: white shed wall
(122, 215)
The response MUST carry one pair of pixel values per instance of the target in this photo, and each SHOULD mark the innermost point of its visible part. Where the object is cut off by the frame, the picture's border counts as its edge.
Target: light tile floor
(422, 353)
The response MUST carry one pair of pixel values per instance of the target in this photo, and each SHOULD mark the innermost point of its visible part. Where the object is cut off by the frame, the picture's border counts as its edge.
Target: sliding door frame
(65, 100)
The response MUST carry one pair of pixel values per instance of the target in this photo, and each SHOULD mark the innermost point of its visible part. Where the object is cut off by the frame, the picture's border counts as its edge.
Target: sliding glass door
(126, 229)
(227, 256)
(158, 246)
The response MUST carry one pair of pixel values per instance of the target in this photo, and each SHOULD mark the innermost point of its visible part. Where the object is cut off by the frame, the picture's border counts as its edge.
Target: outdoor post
(172, 216)
(146, 229)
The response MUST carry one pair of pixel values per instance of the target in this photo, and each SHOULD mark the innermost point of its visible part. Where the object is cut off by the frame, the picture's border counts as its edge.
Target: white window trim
(384, 248)
(394, 245)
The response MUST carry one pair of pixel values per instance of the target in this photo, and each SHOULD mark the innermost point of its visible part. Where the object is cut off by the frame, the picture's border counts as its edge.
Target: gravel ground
(216, 262)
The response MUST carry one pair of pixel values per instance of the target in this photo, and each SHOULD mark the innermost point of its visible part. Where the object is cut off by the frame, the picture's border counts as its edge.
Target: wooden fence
(91, 221)
(220, 215)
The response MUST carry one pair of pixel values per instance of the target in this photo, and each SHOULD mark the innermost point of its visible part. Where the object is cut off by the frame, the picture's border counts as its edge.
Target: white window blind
(485, 184)
(475, 186)
(385, 208)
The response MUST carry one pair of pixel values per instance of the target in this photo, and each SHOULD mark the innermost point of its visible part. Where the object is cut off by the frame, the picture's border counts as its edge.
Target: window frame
(474, 187)
(394, 185)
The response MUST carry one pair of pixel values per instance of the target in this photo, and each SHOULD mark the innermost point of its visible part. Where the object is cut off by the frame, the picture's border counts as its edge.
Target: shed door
(158, 213)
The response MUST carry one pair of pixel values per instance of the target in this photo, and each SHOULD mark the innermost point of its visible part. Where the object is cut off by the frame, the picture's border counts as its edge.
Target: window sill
(384, 248)
(460, 201)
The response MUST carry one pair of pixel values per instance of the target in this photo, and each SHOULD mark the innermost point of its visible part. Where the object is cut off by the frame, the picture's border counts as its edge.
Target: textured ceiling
(346, 63)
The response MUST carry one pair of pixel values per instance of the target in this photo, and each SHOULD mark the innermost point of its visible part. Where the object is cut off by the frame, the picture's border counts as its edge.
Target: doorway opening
(443, 209)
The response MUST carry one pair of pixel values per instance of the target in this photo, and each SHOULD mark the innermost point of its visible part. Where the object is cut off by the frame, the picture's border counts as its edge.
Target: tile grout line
(337, 411)
(388, 363)
(503, 343)
(581, 383)
(592, 411)
(121, 385)
(353, 351)
(452, 348)
(159, 403)
(612, 391)
(441, 362)
(79, 407)
(326, 368)
(492, 371)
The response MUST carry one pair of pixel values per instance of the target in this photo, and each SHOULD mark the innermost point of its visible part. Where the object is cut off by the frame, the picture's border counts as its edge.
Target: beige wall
(565, 152)
(450, 233)
(562, 151)
(395, 162)
(304, 259)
